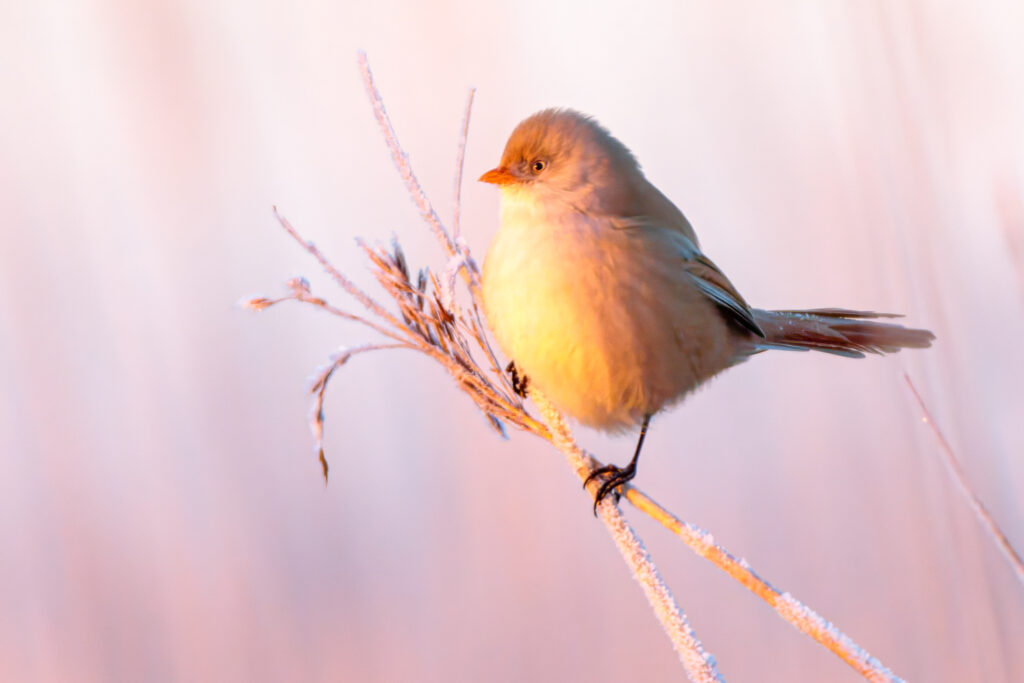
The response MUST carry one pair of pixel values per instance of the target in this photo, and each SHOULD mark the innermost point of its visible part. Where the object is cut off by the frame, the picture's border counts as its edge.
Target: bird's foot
(611, 477)
(520, 383)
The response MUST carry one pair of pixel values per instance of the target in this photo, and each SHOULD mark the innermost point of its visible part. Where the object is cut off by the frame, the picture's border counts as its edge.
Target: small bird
(597, 289)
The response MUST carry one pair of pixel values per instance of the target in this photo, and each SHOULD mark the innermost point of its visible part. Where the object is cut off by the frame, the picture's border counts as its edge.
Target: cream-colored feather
(602, 320)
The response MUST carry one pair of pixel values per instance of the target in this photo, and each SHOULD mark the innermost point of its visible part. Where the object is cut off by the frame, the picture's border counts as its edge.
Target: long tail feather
(838, 331)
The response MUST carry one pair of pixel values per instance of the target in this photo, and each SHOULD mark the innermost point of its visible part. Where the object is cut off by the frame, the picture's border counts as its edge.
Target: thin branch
(788, 607)
(302, 294)
(401, 159)
(980, 511)
(460, 157)
(318, 385)
(419, 198)
(342, 281)
(699, 665)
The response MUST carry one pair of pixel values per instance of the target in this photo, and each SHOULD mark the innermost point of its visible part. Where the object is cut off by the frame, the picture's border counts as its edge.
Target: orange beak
(499, 176)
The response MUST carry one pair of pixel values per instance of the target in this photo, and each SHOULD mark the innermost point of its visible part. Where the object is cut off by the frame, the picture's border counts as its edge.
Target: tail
(838, 331)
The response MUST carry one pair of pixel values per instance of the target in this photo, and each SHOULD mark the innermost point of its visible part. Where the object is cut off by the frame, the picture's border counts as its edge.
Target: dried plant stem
(788, 607)
(988, 523)
(460, 158)
(430, 321)
(419, 198)
(346, 284)
(699, 665)
(401, 159)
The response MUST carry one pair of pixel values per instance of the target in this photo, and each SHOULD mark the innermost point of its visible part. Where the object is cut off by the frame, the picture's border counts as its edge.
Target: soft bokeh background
(162, 517)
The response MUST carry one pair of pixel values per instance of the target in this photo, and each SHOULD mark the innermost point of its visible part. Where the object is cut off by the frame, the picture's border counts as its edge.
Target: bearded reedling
(596, 287)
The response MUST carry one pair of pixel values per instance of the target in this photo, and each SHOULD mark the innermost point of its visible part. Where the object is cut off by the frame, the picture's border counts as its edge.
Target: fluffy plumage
(596, 286)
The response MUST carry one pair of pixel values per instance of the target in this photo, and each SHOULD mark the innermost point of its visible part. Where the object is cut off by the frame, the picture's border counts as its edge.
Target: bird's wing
(710, 280)
(702, 271)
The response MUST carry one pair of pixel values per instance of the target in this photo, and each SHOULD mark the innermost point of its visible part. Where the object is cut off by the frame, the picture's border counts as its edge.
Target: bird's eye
(538, 165)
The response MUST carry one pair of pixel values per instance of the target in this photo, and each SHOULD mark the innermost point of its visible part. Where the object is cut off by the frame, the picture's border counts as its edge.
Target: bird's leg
(520, 384)
(615, 477)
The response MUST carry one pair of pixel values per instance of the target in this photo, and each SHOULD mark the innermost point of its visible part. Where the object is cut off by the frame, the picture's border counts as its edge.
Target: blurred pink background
(162, 516)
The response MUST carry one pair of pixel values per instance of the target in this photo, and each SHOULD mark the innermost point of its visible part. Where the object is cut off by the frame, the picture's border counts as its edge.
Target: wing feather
(704, 274)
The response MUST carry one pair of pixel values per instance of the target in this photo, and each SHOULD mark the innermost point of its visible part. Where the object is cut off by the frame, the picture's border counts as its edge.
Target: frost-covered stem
(401, 159)
(788, 607)
(456, 248)
(980, 511)
(811, 623)
(318, 386)
(699, 665)
(460, 157)
(343, 282)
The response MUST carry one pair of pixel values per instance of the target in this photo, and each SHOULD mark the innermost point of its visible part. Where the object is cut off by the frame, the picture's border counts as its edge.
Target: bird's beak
(499, 176)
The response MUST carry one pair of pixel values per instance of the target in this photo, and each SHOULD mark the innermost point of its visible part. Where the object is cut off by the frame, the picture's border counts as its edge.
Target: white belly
(603, 321)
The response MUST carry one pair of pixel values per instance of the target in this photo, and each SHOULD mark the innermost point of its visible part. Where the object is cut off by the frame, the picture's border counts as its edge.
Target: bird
(596, 287)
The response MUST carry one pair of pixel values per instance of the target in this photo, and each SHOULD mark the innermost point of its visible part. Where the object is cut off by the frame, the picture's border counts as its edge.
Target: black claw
(613, 477)
(520, 385)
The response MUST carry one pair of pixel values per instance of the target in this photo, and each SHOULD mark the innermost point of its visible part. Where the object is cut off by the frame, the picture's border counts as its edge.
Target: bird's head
(563, 154)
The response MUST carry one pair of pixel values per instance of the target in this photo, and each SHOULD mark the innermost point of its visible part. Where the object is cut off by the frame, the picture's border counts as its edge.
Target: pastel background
(162, 516)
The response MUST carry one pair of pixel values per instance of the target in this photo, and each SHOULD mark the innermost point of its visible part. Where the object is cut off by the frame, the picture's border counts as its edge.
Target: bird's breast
(602, 320)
